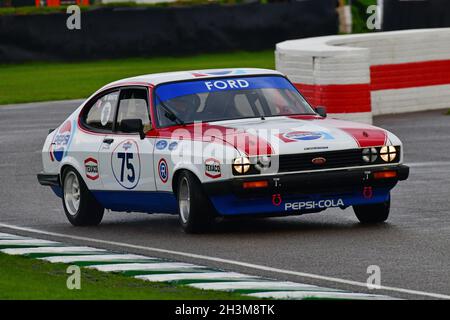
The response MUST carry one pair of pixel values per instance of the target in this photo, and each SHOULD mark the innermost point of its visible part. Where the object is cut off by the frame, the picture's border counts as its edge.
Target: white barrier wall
(358, 76)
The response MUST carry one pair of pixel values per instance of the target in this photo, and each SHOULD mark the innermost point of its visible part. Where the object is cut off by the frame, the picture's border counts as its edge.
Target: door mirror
(132, 126)
(321, 111)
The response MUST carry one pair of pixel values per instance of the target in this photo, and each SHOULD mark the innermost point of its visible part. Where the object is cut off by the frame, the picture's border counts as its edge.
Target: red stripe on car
(250, 144)
(367, 137)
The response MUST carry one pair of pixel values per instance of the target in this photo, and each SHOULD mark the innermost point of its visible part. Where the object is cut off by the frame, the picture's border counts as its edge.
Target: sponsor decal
(368, 192)
(299, 135)
(127, 145)
(309, 205)
(315, 148)
(276, 199)
(173, 145)
(91, 168)
(163, 170)
(276, 182)
(212, 168)
(61, 142)
(227, 84)
(161, 144)
(172, 90)
(126, 164)
(305, 136)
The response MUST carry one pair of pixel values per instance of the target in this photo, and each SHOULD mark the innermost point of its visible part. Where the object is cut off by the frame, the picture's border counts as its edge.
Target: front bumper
(304, 192)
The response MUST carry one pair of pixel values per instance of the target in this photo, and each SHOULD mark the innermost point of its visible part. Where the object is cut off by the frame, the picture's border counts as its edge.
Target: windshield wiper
(169, 113)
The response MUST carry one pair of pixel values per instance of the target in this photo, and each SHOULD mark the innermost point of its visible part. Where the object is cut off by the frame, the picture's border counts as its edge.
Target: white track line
(7, 236)
(28, 242)
(228, 261)
(195, 276)
(316, 294)
(175, 267)
(51, 250)
(96, 258)
(164, 266)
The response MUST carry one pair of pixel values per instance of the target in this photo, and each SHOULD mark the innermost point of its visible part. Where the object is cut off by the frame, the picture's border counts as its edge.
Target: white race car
(203, 144)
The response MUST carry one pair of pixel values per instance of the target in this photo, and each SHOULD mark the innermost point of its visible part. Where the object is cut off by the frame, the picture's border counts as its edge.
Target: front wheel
(195, 210)
(373, 213)
(79, 204)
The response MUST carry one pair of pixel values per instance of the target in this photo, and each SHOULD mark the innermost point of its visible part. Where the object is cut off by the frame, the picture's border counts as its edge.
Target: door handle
(108, 140)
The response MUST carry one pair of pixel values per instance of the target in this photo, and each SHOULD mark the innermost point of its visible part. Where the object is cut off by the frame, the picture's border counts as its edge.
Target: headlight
(370, 155)
(388, 153)
(241, 165)
(263, 163)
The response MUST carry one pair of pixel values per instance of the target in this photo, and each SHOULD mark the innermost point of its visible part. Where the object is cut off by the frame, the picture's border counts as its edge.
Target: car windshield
(210, 100)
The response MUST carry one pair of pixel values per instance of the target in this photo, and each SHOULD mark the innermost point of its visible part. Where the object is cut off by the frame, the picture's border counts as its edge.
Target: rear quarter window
(101, 113)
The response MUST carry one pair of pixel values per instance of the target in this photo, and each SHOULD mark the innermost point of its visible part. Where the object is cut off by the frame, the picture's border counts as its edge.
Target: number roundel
(126, 164)
(163, 170)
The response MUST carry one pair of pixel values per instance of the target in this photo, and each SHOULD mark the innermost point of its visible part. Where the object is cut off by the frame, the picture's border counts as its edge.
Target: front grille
(334, 159)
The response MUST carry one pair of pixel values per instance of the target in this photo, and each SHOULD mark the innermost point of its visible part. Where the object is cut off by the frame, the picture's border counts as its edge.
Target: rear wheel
(196, 213)
(79, 204)
(373, 213)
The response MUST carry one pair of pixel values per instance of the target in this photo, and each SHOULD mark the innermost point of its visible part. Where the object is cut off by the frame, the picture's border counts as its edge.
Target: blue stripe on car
(178, 89)
(139, 201)
(233, 205)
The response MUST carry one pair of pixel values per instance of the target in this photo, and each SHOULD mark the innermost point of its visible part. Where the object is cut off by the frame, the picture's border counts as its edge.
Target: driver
(184, 107)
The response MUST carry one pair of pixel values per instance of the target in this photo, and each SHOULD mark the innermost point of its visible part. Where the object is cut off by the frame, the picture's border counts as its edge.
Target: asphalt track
(329, 249)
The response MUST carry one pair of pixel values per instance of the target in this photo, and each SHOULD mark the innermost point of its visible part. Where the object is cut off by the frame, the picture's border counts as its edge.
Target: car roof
(158, 78)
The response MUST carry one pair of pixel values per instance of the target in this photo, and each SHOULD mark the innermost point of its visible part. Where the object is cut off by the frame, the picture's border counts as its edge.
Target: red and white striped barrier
(358, 76)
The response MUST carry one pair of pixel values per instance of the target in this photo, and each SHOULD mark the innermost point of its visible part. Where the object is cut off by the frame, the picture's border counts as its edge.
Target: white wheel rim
(184, 200)
(72, 194)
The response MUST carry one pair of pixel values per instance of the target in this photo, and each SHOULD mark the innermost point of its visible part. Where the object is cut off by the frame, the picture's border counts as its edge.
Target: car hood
(297, 134)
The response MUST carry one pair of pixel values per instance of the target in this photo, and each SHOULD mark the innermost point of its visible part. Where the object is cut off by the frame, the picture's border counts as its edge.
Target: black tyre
(79, 204)
(196, 213)
(373, 213)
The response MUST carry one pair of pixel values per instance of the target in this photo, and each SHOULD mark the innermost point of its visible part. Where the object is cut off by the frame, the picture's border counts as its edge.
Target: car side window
(133, 104)
(101, 114)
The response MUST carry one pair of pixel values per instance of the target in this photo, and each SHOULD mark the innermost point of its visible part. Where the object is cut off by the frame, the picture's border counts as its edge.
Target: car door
(96, 122)
(126, 160)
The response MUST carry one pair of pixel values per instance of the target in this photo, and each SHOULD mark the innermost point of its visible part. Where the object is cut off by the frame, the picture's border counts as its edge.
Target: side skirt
(139, 201)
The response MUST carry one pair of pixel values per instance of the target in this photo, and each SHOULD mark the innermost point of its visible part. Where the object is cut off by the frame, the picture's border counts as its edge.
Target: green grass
(29, 10)
(28, 279)
(44, 81)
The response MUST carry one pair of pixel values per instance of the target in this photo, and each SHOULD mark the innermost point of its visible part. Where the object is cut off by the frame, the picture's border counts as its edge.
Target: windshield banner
(173, 90)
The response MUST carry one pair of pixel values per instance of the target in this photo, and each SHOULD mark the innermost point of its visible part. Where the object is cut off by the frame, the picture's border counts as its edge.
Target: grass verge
(29, 10)
(45, 81)
(29, 279)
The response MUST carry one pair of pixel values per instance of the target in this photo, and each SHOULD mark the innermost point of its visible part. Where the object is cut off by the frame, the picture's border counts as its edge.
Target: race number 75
(126, 157)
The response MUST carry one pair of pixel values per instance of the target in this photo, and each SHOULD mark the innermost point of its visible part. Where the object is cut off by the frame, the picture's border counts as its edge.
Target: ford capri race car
(204, 144)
